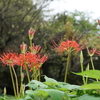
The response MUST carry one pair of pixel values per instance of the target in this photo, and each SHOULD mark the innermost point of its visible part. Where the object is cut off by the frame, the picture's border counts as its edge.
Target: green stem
(67, 65)
(83, 76)
(27, 72)
(35, 74)
(21, 83)
(39, 74)
(31, 45)
(82, 71)
(81, 62)
(92, 63)
(13, 82)
(4, 93)
(86, 80)
(16, 81)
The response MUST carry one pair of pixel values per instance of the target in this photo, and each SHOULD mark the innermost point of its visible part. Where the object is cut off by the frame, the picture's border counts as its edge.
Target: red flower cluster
(25, 58)
(68, 46)
(28, 59)
(93, 51)
(35, 49)
(9, 59)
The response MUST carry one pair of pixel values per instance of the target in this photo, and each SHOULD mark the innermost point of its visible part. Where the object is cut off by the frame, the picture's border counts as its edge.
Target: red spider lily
(92, 51)
(35, 49)
(98, 52)
(31, 33)
(9, 59)
(37, 61)
(99, 21)
(31, 60)
(43, 59)
(27, 59)
(67, 46)
(23, 47)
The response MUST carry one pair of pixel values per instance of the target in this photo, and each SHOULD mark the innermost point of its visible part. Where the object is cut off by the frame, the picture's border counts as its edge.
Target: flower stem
(38, 74)
(17, 90)
(31, 45)
(27, 74)
(67, 65)
(34, 74)
(82, 71)
(13, 81)
(21, 83)
(92, 63)
(81, 62)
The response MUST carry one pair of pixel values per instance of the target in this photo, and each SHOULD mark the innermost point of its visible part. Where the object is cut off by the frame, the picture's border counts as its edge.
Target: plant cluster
(30, 59)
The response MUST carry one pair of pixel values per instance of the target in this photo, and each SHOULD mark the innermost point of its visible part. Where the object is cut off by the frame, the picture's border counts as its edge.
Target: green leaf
(36, 85)
(30, 92)
(55, 94)
(37, 94)
(66, 97)
(90, 73)
(52, 84)
(49, 79)
(28, 97)
(71, 86)
(94, 85)
(87, 97)
(1, 98)
(63, 83)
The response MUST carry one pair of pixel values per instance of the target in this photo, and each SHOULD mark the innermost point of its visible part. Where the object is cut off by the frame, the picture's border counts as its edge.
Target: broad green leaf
(66, 97)
(1, 98)
(90, 73)
(43, 93)
(63, 83)
(49, 79)
(28, 97)
(94, 85)
(53, 84)
(30, 92)
(36, 85)
(88, 97)
(37, 94)
(55, 94)
(71, 86)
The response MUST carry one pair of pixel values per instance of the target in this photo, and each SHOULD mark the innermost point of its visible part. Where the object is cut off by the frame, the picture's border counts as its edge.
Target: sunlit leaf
(49, 79)
(71, 86)
(36, 84)
(90, 73)
(87, 97)
(94, 85)
(55, 94)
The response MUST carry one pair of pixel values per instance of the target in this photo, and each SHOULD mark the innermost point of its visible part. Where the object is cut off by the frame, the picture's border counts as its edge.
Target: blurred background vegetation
(18, 16)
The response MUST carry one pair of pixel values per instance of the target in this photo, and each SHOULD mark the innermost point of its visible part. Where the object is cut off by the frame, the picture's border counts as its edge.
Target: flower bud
(5, 90)
(31, 33)
(87, 68)
(23, 47)
(81, 57)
